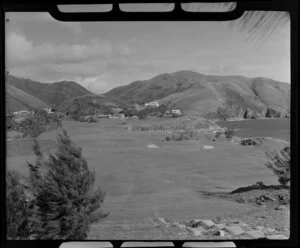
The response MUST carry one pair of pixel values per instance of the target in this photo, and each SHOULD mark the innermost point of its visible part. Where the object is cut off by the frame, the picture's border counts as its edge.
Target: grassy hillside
(51, 93)
(89, 105)
(195, 93)
(17, 99)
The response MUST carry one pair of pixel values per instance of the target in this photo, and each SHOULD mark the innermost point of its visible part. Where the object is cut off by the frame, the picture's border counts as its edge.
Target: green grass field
(143, 183)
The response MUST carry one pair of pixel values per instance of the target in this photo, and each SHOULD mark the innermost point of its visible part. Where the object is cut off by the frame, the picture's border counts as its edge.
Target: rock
(243, 224)
(205, 223)
(256, 234)
(195, 231)
(269, 230)
(277, 236)
(181, 226)
(234, 230)
(219, 226)
(281, 207)
(260, 228)
(163, 221)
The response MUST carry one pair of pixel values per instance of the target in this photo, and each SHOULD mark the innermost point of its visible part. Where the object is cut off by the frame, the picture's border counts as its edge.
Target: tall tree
(65, 201)
(17, 212)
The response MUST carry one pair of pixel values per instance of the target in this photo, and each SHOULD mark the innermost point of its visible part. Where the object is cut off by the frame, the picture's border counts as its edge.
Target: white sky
(101, 55)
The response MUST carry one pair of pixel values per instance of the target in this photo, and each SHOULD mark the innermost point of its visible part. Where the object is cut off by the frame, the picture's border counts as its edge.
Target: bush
(180, 136)
(38, 123)
(63, 196)
(280, 164)
(17, 212)
(256, 141)
(229, 133)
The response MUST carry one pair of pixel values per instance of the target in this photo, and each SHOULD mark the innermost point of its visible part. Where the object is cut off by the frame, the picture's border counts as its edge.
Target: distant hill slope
(90, 104)
(17, 99)
(196, 93)
(51, 93)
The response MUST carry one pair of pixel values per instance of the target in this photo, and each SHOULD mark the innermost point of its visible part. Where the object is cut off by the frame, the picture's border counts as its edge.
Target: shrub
(229, 133)
(280, 164)
(64, 199)
(38, 123)
(17, 212)
(180, 136)
(256, 141)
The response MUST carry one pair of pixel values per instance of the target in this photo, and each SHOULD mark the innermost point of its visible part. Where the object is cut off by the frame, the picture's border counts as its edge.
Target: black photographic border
(291, 6)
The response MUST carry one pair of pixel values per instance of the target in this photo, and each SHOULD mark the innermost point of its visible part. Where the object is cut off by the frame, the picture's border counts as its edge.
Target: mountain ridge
(30, 92)
(196, 93)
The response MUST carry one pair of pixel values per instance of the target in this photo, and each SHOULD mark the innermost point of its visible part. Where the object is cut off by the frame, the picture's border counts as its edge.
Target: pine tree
(17, 212)
(280, 164)
(64, 199)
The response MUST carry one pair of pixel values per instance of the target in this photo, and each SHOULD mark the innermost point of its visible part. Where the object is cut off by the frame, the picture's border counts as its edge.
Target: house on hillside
(176, 111)
(49, 110)
(22, 113)
(152, 104)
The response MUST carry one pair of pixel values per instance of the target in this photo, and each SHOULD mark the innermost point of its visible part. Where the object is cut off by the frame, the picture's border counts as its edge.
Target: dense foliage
(34, 124)
(65, 201)
(146, 112)
(229, 133)
(17, 209)
(58, 201)
(220, 113)
(280, 164)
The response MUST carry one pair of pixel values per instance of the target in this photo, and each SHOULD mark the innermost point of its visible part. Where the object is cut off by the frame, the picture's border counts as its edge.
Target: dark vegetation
(58, 200)
(280, 164)
(255, 141)
(220, 114)
(34, 124)
(271, 113)
(229, 133)
(149, 128)
(183, 135)
(146, 112)
(17, 208)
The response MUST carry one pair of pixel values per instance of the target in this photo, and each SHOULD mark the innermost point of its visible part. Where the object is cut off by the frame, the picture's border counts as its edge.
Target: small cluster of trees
(221, 113)
(280, 164)
(34, 125)
(57, 200)
(145, 112)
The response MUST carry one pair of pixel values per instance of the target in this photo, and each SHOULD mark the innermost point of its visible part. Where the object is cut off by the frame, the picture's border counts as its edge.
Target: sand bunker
(208, 147)
(152, 146)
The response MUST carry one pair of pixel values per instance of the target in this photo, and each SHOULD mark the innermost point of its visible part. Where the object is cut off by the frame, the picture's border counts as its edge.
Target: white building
(21, 113)
(48, 110)
(152, 104)
(176, 111)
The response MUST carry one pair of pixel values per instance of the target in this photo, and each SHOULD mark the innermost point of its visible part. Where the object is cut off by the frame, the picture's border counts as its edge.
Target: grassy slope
(51, 93)
(89, 103)
(195, 93)
(17, 99)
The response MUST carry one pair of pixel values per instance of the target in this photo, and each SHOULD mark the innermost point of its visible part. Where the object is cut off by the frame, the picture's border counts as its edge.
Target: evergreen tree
(17, 212)
(64, 199)
(280, 164)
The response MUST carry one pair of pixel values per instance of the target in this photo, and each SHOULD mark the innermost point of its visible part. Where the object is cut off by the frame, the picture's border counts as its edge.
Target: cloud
(98, 84)
(125, 49)
(20, 50)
